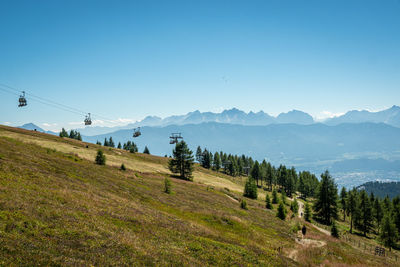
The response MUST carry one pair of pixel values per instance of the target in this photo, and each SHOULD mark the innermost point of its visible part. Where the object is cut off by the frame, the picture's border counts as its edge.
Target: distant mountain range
(389, 116)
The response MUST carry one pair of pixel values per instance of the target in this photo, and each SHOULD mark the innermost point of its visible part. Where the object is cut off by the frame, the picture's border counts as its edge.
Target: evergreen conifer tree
(199, 155)
(325, 207)
(352, 207)
(274, 197)
(119, 145)
(364, 220)
(307, 212)
(216, 161)
(255, 172)
(281, 212)
(182, 161)
(63, 133)
(146, 150)
(343, 202)
(378, 212)
(294, 207)
(334, 230)
(100, 158)
(389, 233)
(250, 189)
(268, 204)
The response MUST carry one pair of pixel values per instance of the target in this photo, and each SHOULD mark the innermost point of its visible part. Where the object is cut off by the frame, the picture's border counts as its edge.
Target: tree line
(128, 146)
(72, 134)
(264, 173)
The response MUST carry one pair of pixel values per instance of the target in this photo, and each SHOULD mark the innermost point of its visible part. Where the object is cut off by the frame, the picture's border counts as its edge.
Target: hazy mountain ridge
(389, 116)
(313, 147)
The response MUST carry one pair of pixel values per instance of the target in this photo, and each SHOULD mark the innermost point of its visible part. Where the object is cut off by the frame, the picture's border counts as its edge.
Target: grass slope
(58, 208)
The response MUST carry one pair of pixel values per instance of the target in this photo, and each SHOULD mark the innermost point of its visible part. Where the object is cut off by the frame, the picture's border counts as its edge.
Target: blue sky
(129, 59)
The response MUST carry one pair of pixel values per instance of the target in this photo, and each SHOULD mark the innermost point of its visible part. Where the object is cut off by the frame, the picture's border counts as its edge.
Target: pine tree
(119, 145)
(343, 202)
(294, 206)
(78, 136)
(269, 176)
(182, 161)
(307, 213)
(334, 230)
(205, 159)
(326, 204)
(250, 189)
(100, 158)
(72, 134)
(364, 221)
(378, 212)
(98, 143)
(352, 207)
(111, 142)
(216, 161)
(283, 198)
(281, 212)
(105, 142)
(146, 150)
(63, 133)
(389, 232)
(199, 155)
(255, 172)
(268, 204)
(274, 197)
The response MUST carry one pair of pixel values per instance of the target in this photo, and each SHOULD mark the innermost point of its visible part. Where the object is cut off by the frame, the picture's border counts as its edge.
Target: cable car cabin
(22, 100)
(136, 132)
(174, 138)
(88, 120)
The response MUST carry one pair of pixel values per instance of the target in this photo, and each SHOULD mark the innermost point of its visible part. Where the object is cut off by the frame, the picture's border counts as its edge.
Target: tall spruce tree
(281, 212)
(325, 207)
(216, 162)
(268, 204)
(378, 212)
(389, 234)
(63, 133)
(274, 197)
(343, 202)
(255, 172)
(364, 218)
(182, 161)
(352, 207)
(199, 155)
(250, 189)
(307, 213)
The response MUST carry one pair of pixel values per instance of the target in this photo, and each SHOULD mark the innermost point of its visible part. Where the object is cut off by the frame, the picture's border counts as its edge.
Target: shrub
(100, 158)
(167, 186)
(243, 204)
(123, 168)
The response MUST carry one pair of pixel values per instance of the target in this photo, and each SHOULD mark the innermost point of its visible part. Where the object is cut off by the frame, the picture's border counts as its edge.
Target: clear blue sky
(130, 59)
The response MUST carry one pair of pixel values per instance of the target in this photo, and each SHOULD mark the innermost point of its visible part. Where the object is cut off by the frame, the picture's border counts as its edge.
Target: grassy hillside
(58, 208)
